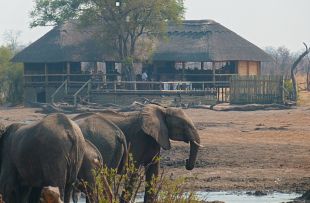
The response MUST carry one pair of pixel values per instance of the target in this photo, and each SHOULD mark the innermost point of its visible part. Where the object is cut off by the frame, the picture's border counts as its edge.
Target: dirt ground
(255, 150)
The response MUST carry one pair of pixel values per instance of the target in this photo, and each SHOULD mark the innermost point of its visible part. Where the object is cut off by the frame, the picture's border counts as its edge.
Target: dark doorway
(41, 96)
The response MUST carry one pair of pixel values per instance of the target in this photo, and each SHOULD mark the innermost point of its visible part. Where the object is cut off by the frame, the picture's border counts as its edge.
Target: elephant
(106, 136)
(149, 130)
(46, 153)
(92, 161)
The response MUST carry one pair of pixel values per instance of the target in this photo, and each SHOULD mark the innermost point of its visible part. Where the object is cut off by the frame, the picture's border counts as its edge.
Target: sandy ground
(256, 150)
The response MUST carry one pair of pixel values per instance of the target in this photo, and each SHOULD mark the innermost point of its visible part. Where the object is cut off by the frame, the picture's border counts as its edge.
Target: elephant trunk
(190, 163)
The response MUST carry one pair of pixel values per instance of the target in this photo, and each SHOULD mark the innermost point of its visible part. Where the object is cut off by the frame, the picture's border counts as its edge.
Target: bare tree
(11, 38)
(293, 69)
(283, 58)
(308, 75)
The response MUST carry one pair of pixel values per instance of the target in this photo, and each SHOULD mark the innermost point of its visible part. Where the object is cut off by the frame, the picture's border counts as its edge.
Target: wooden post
(183, 71)
(213, 72)
(45, 74)
(201, 68)
(68, 71)
(66, 87)
(213, 75)
(135, 85)
(89, 90)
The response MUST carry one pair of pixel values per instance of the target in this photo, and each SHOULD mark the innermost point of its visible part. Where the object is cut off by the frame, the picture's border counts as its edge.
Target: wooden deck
(235, 89)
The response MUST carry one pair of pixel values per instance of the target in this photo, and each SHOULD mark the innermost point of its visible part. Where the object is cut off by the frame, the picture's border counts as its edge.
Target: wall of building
(248, 68)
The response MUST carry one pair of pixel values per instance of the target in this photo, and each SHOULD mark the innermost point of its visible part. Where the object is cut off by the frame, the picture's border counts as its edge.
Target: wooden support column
(201, 68)
(213, 72)
(183, 71)
(259, 65)
(45, 74)
(213, 78)
(68, 71)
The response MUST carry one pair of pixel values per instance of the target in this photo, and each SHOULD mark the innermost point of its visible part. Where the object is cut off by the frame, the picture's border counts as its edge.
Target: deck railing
(198, 80)
(151, 86)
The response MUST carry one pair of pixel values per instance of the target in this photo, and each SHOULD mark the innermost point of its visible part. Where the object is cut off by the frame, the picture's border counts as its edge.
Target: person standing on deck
(144, 76)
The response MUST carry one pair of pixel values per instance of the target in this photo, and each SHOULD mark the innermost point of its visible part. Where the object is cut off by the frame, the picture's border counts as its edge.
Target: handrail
(78, 92)
(65, 83)
(114, 74)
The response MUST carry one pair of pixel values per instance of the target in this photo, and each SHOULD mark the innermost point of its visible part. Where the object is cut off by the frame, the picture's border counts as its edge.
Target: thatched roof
(206, 40)
(63, 44)
(193, 40)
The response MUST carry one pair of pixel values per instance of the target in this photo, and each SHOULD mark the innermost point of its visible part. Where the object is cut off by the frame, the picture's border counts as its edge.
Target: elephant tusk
(196, 143)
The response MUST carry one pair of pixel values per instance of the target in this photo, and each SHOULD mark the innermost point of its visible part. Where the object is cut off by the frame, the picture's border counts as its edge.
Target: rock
(257, 193)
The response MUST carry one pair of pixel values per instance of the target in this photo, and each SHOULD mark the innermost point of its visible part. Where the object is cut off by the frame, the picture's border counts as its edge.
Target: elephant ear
(153, 124)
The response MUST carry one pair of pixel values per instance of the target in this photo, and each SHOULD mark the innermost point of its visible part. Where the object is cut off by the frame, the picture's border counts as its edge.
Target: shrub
(11, 78)
(110, 186)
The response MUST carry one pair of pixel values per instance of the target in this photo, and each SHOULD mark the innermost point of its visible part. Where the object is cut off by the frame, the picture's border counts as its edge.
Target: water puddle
(242, 197)
(238, 197)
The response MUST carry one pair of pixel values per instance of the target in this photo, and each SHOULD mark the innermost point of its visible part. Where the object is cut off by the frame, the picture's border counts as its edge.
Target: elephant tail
(75, 156)
(122, 165)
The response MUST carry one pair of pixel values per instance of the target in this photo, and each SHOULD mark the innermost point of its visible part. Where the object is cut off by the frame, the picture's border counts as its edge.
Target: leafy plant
(111, 187)
(11, 78)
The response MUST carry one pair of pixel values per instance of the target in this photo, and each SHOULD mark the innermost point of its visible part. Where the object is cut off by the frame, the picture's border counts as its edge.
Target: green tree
(11, 77)
(122, 24)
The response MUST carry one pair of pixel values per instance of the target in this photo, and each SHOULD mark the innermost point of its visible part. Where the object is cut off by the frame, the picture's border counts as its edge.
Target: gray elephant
(149, 130)
(106, 136)
(92, 161)
(46, 153)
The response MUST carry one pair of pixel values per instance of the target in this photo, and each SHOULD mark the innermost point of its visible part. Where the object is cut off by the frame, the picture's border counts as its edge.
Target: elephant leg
(35, 195)
(67, 193)
(25, 194)
(76, 194)
(8, 188)
(151, 172)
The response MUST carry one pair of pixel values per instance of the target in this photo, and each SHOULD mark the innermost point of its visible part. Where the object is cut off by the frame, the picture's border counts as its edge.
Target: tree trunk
(308, 77)
(294, 66)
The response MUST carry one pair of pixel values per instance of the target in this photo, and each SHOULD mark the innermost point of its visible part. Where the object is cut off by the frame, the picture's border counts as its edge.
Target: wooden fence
(256, 89)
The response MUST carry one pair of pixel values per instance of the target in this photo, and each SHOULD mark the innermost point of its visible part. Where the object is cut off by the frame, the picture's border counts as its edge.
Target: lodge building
(196, 60)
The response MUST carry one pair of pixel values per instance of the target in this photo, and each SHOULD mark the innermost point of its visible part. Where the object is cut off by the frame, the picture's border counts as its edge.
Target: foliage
(288, 85)
(11, 78)
(119, 27)
(110, 186)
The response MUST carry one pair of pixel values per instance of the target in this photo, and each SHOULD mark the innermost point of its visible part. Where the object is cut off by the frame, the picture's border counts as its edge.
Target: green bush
(110, 186)
(288, 85)
(11, 78)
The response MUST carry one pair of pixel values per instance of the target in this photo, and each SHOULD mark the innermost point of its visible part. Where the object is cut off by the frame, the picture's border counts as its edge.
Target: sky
(262, 22)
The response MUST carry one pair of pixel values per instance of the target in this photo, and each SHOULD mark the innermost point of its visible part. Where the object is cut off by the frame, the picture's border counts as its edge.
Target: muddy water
(242, 197)
(238, 197)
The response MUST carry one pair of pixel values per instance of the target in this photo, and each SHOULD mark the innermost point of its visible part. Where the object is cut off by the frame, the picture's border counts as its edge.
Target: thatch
(193, 40)
(65, 43)
(206, 40)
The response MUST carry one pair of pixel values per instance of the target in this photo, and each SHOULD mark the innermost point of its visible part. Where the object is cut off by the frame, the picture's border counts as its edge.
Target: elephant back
(106, 136)
(54, 143)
